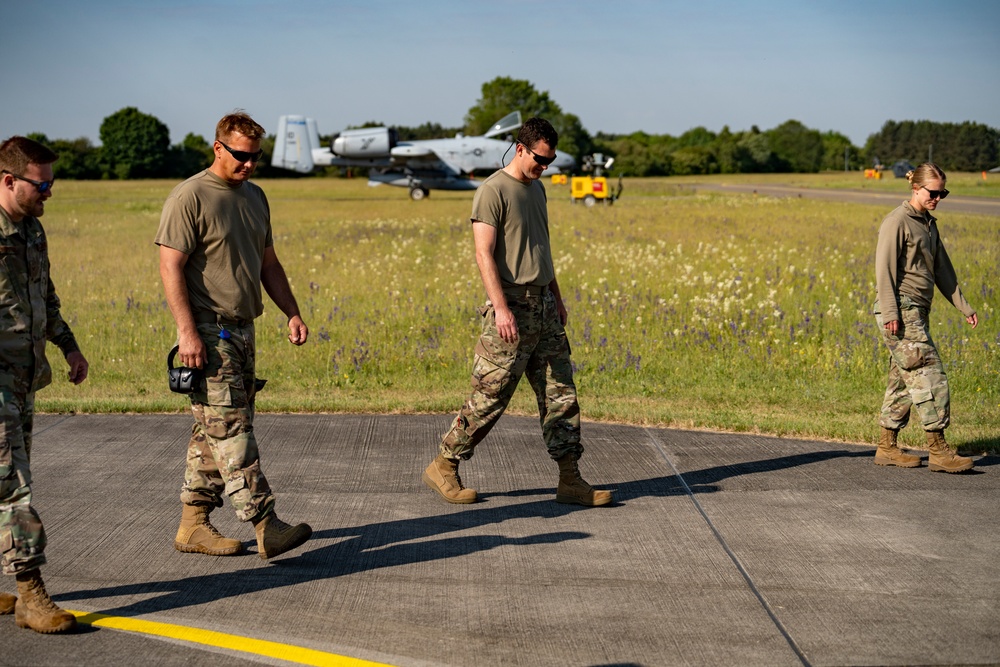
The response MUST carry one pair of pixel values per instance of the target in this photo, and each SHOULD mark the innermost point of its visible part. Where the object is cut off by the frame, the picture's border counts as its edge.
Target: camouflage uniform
(29, 316)
(916, 374)
(225, 231)
(222, 454)
(910, 261)
(541, 352)
(523, 257)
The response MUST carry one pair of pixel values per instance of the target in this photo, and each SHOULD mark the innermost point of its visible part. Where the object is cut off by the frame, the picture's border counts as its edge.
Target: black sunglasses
(542, 161)
(41, 186)
(935, 194)
(243, 156)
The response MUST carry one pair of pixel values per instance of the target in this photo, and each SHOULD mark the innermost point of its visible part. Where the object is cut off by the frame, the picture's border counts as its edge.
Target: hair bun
(909, 176)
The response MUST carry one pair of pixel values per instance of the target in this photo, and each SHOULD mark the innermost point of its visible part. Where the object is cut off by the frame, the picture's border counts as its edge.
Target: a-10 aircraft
(421, 166)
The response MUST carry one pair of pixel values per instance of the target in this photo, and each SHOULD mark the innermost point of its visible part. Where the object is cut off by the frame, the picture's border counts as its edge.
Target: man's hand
(78, 367)
(506, 324)
(973, 319)
(892, 327)
(191, 351)
(298, 332)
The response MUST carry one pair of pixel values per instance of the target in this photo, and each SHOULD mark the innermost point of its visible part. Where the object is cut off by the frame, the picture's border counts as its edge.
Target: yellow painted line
(287, 652)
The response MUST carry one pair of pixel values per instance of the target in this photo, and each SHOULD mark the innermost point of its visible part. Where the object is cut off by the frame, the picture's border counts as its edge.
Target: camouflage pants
(916, 374)
(222, 454)
(542, 353)
(22, 537)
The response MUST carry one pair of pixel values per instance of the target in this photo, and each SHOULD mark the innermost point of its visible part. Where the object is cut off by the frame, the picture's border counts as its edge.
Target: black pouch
(181, 380)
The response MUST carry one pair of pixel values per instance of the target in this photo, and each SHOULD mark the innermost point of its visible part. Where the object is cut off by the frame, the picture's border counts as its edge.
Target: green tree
(78, 159)
(697, 136)
(427, 130)
(694, 160)
(754, 154)
(638, 154)
(965, 147)
(135, 145)
(190, 156)
(796, 147)
(835, 145)
(503, 95)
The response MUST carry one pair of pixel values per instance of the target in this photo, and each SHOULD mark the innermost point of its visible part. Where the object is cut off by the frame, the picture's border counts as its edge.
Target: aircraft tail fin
(294, 142)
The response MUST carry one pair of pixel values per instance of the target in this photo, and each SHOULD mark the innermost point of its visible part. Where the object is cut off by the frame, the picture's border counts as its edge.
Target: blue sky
(661, 67)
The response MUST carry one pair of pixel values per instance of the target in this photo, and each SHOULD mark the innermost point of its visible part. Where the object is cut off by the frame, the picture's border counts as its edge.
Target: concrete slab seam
(51, 426)
(732, 555)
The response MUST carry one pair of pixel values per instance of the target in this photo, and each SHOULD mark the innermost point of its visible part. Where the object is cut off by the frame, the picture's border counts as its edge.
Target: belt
(215, 318)
(525, 290)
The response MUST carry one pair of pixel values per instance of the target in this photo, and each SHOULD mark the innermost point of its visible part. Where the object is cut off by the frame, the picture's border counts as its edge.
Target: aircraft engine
(369, 142)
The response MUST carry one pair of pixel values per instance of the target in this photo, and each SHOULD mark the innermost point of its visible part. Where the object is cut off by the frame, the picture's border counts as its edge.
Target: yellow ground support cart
(593, 189)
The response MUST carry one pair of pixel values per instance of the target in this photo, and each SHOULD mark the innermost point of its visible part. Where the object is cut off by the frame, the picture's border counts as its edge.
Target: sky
(662, 67)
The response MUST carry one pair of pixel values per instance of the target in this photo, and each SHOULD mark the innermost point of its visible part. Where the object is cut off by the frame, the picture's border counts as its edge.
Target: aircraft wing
(422, 156)
(405, 152)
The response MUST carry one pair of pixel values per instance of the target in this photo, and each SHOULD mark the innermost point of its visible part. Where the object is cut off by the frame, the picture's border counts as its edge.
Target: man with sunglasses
(216, 251)
(523, 325)
(910, 260)
(29, 316)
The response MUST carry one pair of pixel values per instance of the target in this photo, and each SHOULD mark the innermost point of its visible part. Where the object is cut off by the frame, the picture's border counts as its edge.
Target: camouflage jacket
(29, 307)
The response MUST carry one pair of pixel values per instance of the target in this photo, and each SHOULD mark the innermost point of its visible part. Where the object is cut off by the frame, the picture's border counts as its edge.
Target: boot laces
(41, 596)
(212, 529)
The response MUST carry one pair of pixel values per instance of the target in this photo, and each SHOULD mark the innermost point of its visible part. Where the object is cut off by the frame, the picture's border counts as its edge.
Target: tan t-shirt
(519, 213)
(224, 230)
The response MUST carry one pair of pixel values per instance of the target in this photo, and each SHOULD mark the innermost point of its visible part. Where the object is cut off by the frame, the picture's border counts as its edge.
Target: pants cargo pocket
(921, 395)
(218, 393)
(236, 483)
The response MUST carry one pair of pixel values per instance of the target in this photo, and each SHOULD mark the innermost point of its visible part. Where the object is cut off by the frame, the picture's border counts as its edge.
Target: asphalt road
(890, 200)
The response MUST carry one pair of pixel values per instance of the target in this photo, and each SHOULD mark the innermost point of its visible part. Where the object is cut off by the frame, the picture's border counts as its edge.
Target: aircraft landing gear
(418, 193)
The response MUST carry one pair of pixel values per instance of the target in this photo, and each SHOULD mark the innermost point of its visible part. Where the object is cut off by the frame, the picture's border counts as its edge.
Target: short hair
(537, 129)
(18, 152)
(239, 122)
(928, 171)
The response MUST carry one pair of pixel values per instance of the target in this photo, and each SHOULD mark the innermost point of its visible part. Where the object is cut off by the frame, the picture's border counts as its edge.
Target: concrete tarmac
(720, 549)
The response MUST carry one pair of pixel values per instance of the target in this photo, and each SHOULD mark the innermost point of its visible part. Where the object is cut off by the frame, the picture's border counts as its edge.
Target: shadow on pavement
(389, 544)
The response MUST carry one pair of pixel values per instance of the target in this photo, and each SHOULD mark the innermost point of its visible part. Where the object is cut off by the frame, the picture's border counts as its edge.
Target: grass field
(700, 311)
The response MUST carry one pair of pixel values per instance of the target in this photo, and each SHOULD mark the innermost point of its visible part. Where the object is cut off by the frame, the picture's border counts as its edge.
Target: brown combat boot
(7, 602)
(275, 537)
(442, 476)
(889, 453)
(36, 610)
(573, 489)
(943, 458)
(196, 535)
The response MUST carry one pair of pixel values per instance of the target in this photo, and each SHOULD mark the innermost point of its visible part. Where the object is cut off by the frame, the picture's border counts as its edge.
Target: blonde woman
(909, 261)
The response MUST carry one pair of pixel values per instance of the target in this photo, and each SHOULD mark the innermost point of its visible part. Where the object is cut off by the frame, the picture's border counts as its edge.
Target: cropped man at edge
(216, 251)
(29, 316)
(523, 326)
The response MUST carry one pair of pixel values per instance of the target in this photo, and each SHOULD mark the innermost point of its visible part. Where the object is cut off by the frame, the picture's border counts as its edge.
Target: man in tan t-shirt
(216, 250)
(523, 325)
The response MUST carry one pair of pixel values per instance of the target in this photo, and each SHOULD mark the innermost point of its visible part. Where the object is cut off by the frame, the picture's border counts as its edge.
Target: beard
(31, 204)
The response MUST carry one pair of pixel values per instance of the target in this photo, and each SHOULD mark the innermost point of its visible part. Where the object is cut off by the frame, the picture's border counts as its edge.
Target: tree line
(137, 145)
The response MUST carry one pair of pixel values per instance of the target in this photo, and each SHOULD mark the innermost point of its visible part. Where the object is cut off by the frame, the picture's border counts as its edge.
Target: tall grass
(708, 311)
